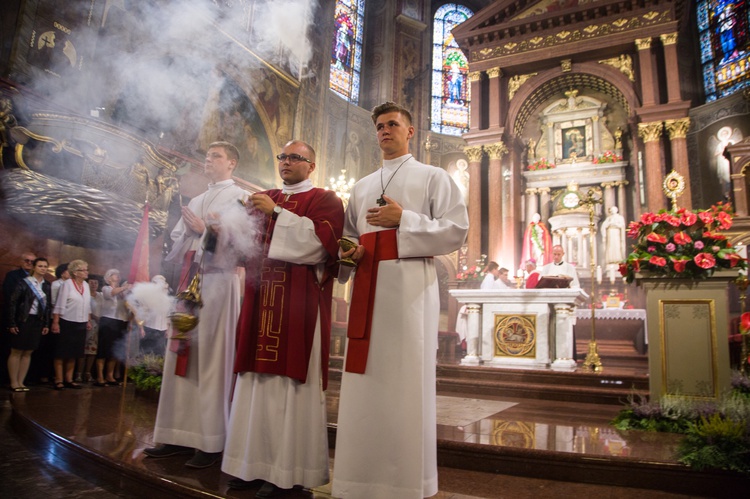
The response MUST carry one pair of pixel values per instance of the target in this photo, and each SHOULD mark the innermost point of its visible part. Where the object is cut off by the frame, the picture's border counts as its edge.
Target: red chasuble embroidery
(282, 300)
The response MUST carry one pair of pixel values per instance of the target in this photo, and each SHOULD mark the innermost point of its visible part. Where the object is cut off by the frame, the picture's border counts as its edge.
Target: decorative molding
(515, 83)
(677, 129)
(624, 63)
(668, 39)
(643, 43)
(494, 72)
(650, 132)
(474, 153)
(496, 150)
(566, 65)
(591, 31)
(475, 76)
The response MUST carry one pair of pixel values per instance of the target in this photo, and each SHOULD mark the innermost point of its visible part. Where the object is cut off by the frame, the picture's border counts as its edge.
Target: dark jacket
(20, 304)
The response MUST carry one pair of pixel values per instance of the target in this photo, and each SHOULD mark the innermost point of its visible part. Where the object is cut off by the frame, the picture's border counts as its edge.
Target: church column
(580, 248)
(669, 42)
(495, 107)
(532, 204)
(475, 204)
(646, 65)
(544, 203)
(609, 196)
(475, 106)
(651, 135)
(677, 130)
(622, 203)
(495, 200)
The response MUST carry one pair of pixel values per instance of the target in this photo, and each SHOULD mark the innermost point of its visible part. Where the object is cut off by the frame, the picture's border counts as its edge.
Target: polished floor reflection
(116, 424)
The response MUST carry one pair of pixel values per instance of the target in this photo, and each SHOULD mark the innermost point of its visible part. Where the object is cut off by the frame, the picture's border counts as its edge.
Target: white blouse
(72, 305)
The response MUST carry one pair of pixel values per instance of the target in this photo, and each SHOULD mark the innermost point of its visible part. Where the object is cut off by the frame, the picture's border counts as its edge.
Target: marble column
(651, 135)
(669, 41)
(495, 200)
(532, 204)
(564, 343)
(544, 203)
(474, 153)
(622, 202)
(475, 106)
(496, 103)
(472, 335)
(608, 197)
(646, 66)
(677, 131)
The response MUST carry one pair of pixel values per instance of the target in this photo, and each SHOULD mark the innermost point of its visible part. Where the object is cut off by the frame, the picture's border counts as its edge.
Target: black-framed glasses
(294, 158)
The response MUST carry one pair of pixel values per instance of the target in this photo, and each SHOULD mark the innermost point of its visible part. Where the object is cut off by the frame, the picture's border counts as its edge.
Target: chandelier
(341, 186)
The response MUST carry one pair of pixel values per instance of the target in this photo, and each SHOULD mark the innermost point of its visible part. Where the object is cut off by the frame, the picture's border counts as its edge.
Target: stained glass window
(346, 51)
(725, 46)
(450, 72)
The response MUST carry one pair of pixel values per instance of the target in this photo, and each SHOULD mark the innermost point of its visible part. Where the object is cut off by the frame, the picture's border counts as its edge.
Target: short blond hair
(76, 265)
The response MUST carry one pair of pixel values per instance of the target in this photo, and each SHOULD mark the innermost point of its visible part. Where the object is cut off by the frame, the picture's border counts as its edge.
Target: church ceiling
(559, 86)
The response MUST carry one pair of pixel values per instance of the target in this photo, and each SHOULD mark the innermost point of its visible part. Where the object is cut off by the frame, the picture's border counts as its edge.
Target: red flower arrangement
(682, 244)
(540, 164)
(473, 273)
(607, 157)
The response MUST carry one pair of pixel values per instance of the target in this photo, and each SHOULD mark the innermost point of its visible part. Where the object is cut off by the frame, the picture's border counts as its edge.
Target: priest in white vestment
(194, 405)
(278, 436)
(559, 267)
(386, 445)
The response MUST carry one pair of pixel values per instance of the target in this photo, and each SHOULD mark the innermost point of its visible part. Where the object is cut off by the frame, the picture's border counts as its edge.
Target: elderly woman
(71, 318)
(29, 316)
(113, 326)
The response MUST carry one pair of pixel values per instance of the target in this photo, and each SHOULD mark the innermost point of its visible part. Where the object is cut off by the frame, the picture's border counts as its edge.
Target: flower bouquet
(540, 164)
(473, 273)
(682, 244)
(607, 157)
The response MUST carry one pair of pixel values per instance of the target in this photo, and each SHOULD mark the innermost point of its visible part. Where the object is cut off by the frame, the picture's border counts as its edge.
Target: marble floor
(115, 424)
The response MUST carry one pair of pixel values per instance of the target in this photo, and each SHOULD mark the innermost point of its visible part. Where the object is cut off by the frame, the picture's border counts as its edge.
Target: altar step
(614, 353)
(579, 386)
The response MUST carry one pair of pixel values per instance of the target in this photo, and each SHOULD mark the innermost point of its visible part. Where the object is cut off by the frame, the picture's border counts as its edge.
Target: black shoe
(74, 386)
(240, 484)
(270, 490)
(167, 450)
(203, 459)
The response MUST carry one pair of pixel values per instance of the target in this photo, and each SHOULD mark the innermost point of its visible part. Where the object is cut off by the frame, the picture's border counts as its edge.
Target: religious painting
(515, 335)
(574, 142)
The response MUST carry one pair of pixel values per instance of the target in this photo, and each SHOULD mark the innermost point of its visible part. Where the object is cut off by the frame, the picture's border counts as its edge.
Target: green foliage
(717, 442)
(146, 374)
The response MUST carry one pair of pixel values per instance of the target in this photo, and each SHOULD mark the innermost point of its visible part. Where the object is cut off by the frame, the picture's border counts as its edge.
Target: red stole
(282, 300)
(182, 347)
(379, 246)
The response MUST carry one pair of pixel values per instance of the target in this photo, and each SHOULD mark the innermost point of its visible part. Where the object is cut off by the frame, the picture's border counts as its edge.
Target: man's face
(27, 261)
(557, 255)
(495, 272)
(218, 166)
(93, 284)
(294, 168)
(503, 275)
(394, 133)
(530, 267)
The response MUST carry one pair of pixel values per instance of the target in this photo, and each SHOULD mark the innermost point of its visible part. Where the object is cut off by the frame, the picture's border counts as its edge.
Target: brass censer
(184, 319)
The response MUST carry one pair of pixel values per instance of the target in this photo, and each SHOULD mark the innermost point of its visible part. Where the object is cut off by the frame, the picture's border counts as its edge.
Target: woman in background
(29, 318)
(71, 318)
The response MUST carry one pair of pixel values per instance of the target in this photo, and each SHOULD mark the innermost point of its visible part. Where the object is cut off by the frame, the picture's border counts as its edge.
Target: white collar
(297, 188)
(391, 164)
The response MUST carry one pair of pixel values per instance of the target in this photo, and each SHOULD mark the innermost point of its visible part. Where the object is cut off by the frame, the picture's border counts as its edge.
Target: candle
(612, 274)
(599, 274)
(519, 273)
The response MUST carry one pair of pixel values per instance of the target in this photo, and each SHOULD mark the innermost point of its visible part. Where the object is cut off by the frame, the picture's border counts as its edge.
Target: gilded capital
(669, 39)
(643, 43)
(531, 191)
(475, 76)
(494, 72)
(677, 129)
(496, 150)
(474, 153)
(650, 132)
